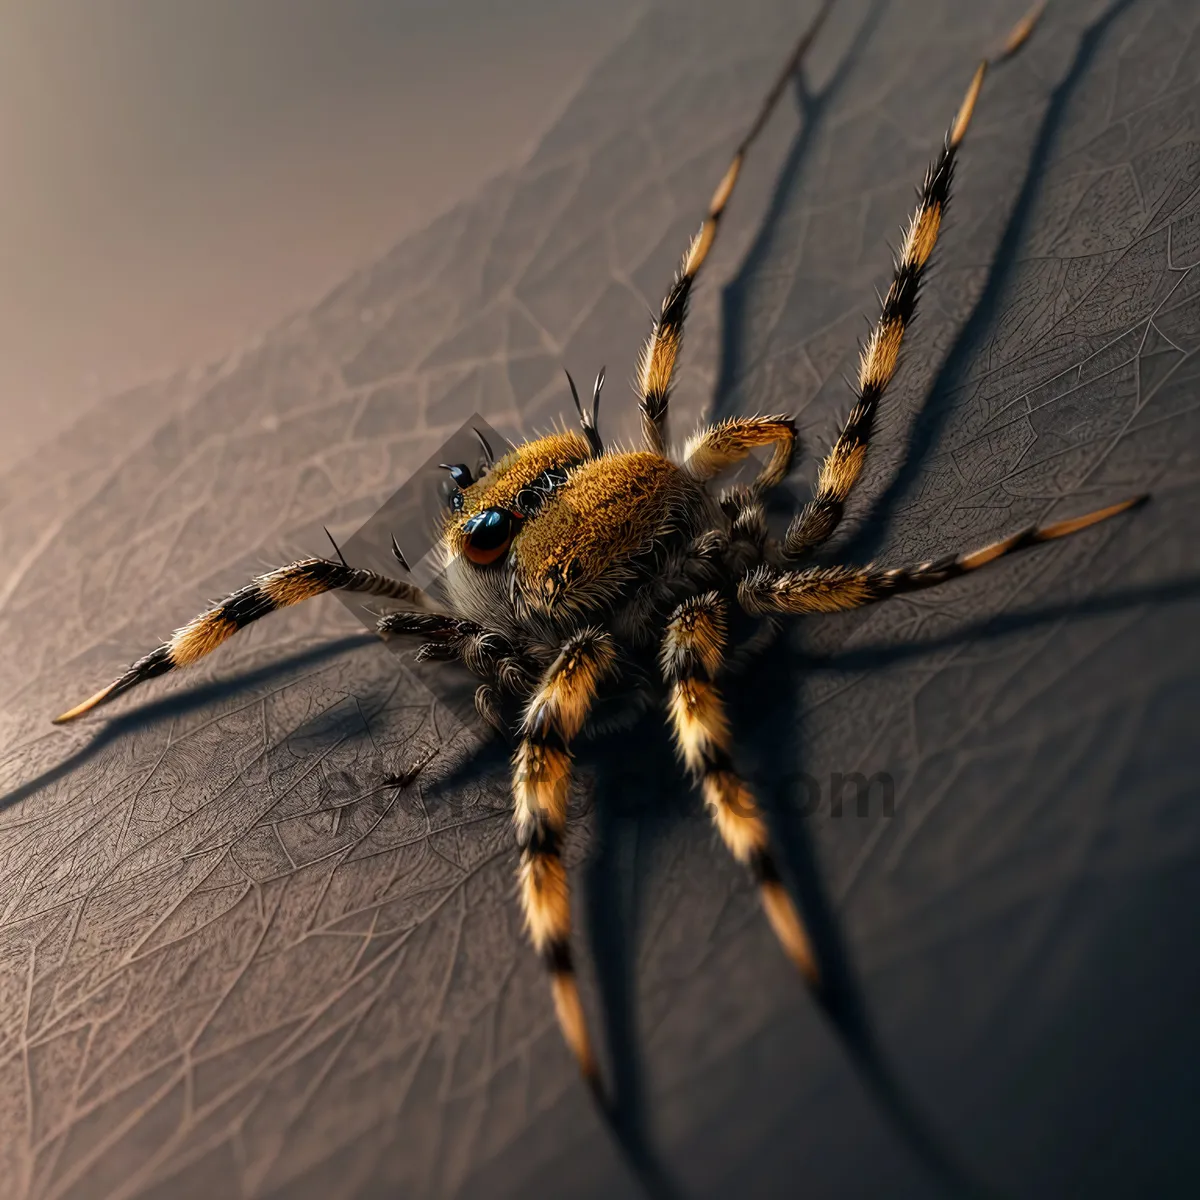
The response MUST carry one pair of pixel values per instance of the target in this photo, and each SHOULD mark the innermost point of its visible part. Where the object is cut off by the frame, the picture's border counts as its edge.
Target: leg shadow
(735, 326)
(769, 735)
(872, 657)
(868, 539)
(178, 704)
(610, 899)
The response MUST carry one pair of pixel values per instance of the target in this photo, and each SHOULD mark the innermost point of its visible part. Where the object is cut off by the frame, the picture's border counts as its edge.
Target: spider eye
(489, 535)
(460, 473)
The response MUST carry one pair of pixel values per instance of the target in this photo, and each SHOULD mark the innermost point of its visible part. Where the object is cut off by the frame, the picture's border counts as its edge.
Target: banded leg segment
(541, 788)
(835, 589)
(692, 653)
(265, 594)
(881, 355)
(720, 446)
(657, 364)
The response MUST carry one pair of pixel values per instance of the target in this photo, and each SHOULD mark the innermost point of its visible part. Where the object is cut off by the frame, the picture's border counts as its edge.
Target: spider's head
(554, 533)
(489, 515)
(486, 514)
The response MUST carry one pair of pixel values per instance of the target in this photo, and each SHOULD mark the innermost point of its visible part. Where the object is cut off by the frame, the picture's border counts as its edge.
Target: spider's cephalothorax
(552, 535)
(570, 569)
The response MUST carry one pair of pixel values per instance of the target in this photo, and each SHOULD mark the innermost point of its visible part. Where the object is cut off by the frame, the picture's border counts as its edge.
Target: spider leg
(487, 705)
(657, 363)
(843, 465)
(693, 651)
(743, 654)
(541, 785)
(747, 524)
(712, 450)
(439, 626)
(483, 651)
(833, 589)
(745, 543)
(263, 595)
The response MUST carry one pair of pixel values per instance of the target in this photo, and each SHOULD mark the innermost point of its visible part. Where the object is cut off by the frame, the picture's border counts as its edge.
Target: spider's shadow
(177, 704)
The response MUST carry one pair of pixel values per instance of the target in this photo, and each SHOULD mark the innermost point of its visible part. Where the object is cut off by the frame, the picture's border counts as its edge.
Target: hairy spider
(569, 567)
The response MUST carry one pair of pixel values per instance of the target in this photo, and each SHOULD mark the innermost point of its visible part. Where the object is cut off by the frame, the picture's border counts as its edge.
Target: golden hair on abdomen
(611, 511)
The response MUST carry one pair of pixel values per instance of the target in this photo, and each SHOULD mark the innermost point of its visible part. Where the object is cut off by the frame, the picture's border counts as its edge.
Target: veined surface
(231, 964)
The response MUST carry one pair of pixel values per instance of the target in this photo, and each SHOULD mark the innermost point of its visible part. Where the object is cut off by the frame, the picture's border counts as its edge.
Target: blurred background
(179, 176)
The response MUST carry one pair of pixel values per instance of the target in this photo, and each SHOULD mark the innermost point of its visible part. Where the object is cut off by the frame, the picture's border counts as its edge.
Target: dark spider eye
(460, 473)
(489, 535)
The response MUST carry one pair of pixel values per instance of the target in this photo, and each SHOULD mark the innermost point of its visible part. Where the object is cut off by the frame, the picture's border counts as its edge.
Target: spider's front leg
(541, 784)
(541, 788)
(656, 369)
(693, 651)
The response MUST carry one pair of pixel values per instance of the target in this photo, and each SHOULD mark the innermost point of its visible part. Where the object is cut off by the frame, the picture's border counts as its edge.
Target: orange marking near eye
(484, 557)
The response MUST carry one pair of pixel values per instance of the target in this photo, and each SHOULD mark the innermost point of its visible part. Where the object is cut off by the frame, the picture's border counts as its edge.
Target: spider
(569, 567)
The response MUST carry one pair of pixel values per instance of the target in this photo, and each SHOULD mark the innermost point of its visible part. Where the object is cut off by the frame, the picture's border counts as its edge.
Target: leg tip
(1021, 30)
(959, 129)
(86, 707)
(1134, 502)
(600, 1096)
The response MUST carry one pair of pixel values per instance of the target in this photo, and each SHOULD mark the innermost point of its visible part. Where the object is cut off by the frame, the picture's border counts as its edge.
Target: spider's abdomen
(602, 529)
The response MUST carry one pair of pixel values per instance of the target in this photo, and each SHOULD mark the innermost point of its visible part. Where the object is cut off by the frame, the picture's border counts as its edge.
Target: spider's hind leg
(693, 652)
(835, 589)
(656, 368)
(840, 471)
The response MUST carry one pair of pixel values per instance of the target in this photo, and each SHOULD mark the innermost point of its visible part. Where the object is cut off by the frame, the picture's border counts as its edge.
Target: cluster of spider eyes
(488, 534)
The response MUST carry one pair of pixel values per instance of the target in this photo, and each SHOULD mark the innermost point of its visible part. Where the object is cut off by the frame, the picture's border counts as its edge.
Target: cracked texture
(232, 962)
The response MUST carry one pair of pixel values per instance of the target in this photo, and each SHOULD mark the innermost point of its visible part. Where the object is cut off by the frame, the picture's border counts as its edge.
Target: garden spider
(569, 567)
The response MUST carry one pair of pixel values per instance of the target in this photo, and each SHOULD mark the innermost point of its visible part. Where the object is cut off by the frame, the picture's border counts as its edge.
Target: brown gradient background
(180, 175)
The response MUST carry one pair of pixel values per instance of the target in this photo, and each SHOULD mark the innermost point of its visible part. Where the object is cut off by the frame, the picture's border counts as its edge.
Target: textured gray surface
(231, 965)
